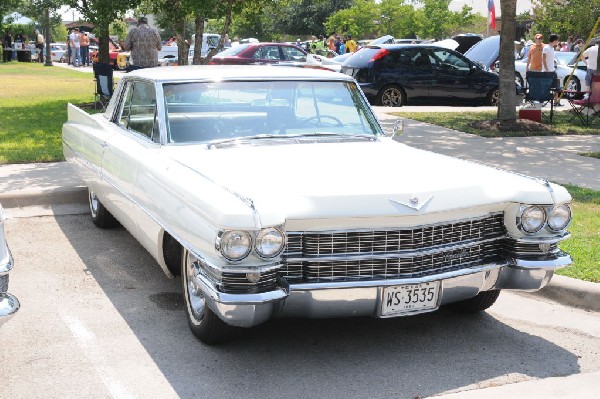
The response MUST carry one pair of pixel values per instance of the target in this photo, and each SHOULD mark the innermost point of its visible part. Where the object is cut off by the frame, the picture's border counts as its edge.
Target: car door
(268, 54)
(454, 79)
(412, 67)
(138, 136)
(292, 54)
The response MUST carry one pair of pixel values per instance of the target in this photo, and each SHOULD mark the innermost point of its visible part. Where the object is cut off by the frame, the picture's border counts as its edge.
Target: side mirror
(392, 127)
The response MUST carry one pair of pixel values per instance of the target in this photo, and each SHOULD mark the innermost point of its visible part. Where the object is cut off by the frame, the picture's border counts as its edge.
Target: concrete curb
(571, 292)
(57, 196)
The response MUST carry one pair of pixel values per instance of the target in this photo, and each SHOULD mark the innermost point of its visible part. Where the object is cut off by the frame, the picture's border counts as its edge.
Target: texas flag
(492, 14)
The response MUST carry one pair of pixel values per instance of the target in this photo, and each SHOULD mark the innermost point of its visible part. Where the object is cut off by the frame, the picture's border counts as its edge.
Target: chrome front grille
(397, 253)
(308, 244)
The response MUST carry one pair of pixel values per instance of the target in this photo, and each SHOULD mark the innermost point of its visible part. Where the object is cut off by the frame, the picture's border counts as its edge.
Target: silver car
(9, 305)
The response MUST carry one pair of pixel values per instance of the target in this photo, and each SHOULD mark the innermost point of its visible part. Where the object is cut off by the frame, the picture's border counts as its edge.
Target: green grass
(462, 121)
(590, 154)
(584, 245)
(33, 107)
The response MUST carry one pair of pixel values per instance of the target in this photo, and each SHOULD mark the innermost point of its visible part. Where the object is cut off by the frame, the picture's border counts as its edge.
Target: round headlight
(533, 219)
(559, 217)
(235, 245)
(269, 242)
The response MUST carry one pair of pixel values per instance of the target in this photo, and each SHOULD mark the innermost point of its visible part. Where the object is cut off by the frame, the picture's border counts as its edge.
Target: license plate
(414, 298)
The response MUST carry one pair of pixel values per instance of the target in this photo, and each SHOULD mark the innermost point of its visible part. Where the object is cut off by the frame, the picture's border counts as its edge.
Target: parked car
(58, 52)
(9, 304)
(564, 68)
(274, 193)
(119, 58)
(398, 74)
(260, 53)
(485, 52)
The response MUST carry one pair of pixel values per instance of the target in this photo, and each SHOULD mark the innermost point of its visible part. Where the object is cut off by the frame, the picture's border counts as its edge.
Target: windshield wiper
(290, 137)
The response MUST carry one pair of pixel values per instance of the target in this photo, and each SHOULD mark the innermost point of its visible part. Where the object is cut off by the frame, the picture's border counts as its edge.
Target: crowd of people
(15, 48)
(541, 57)
(329, 46)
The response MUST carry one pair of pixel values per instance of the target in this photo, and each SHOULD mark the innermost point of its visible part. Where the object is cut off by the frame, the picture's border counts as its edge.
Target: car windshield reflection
(224, 111)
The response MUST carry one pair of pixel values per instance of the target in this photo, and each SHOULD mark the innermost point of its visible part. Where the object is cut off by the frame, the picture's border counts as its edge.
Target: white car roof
(233, 72)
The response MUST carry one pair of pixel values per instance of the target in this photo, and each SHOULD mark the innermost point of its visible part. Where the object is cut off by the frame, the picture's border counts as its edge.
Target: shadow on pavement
(403, 358)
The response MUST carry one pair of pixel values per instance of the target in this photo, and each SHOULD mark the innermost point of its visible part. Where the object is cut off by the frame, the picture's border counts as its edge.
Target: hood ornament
(414, 202)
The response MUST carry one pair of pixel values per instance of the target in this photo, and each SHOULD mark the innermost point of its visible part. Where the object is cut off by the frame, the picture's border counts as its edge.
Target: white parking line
(93, 351)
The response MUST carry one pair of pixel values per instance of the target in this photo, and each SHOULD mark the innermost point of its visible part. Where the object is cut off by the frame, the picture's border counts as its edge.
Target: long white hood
(358, 179)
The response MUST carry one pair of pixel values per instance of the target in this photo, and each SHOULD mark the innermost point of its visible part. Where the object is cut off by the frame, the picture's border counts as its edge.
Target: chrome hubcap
(194, 294)
(94, 203)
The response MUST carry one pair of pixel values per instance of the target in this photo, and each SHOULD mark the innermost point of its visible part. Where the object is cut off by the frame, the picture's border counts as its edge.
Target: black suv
(396, 74)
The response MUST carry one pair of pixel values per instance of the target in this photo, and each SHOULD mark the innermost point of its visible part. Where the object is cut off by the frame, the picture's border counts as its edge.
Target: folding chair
(103, 76)
(541, 87)
(587, 109)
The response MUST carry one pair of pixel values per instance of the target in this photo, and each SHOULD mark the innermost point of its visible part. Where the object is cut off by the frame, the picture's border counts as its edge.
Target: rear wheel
(478, 303)
(492, 97)
(205, 325)
(519, 79)
(391, 96)
(100, 215)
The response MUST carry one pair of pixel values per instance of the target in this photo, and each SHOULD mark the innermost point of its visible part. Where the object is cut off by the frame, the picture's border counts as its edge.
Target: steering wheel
(318, 118)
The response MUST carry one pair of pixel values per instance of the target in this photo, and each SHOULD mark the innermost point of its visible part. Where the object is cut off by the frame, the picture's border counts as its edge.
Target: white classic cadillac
(9, 304)
(274, 192)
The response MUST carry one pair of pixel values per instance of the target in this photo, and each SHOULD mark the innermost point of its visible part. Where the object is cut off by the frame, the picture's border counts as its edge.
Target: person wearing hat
(144, 44)
(525, 49)
(534, 55)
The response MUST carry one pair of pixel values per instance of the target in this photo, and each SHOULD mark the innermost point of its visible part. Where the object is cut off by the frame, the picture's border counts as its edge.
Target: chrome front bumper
(363, 298)
(9, 305)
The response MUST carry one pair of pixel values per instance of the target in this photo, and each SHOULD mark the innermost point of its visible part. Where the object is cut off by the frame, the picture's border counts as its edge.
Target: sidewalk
(52, 189)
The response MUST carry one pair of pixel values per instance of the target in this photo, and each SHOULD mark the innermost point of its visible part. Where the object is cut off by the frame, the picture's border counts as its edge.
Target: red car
(118, 58)
(260, 53)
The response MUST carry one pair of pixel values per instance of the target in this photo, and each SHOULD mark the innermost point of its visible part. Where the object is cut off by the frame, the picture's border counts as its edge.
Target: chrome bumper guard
(9, 304)
(363, 298)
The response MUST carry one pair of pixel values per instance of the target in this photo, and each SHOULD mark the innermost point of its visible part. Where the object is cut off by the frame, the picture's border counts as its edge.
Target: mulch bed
(518, 125)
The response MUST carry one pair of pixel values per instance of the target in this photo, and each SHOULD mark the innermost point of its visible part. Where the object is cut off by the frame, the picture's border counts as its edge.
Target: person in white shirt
(75, 48)
(590, 58)
(549, 54)
(548, 57)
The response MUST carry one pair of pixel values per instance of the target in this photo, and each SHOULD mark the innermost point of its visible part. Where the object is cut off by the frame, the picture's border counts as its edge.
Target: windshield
(232, 51)
(213, 111)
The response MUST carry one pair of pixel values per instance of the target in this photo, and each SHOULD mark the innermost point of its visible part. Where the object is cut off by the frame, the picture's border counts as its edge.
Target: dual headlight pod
(533, 218)
(236, 245)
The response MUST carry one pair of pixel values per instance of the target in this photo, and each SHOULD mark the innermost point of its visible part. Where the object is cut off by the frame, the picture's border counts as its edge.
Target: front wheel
(205, 325)
(391, 96)
(478, 303)
(492, 97)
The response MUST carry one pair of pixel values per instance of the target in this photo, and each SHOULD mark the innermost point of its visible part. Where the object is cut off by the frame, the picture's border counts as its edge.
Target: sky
(480, 6)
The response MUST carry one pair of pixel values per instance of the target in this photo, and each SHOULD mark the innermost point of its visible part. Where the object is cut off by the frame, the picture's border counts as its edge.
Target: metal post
(48, 61)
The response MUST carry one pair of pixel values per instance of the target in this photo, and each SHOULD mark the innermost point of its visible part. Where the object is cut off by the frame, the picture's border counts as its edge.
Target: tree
(359, 20)
(507, 102)
(566, 17)
(102, 13)
(434, 20)
(397, 19)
